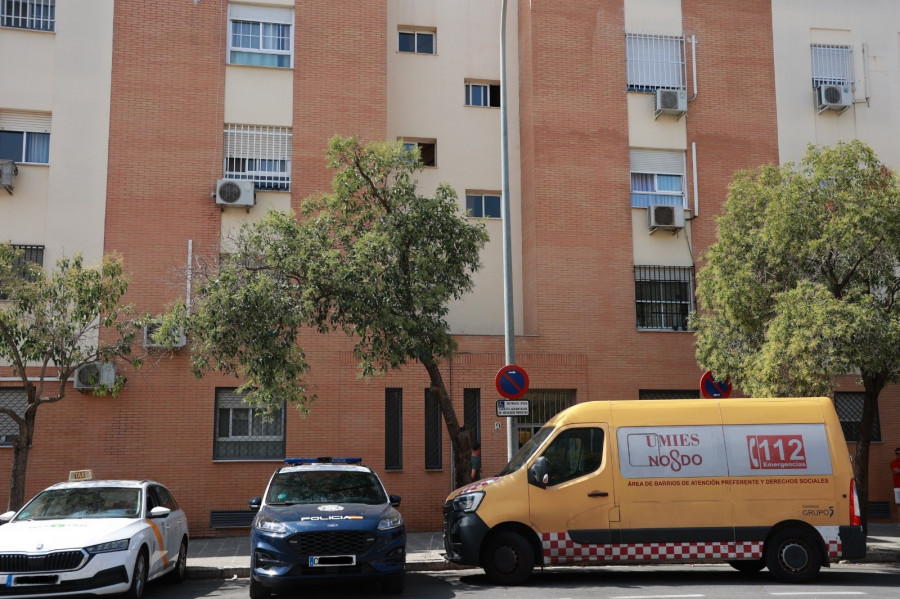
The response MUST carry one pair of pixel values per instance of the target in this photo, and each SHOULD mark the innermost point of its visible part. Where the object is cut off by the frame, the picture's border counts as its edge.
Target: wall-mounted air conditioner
(671, 101)
(176, 341)
(660, 216)
(94, 374)
(235, 192)
(833, 97)
(8, 170)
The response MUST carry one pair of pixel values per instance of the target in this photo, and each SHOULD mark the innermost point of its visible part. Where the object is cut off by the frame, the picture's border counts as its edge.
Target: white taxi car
(99, 537)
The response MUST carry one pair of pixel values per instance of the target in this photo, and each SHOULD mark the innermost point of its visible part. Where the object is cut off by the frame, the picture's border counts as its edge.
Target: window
(657, 177)
(664, 296)
(668, 394)
(39, 15)
(831, 65)
(472, 413)
(30, 254)
(483, 205)
(417, 41)
(849, 408)
(244, 432)
(393, 429)
(260, 36)
(482, 94)
(544, 404)
(433, 432)
(12, 398)
(574, 453)
(654, 61)
(259, 154)
(427, 151)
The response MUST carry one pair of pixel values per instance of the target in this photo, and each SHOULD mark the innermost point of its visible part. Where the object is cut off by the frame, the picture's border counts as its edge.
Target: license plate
(321, 561)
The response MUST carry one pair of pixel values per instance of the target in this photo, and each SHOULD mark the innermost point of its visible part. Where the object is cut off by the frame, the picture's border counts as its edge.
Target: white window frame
(250, 147)
(832, 64)
(409, 144)
(654, 163)
(655, 61)
(416, 32)
(478, 198)
(484, 87)
(34, 15)
(29, 125)
(262, 17)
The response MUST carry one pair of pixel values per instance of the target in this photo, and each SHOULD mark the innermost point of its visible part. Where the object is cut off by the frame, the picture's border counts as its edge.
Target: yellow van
(752, 482)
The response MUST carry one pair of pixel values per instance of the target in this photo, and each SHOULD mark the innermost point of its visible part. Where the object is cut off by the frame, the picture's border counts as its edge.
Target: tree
(373, 259)
(49, 326)
(802, 283)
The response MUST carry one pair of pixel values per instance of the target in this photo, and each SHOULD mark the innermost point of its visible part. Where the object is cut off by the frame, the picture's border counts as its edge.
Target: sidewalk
(229, 557)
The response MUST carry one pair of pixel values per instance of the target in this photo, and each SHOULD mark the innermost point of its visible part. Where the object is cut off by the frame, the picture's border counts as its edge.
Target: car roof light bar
(322, 460)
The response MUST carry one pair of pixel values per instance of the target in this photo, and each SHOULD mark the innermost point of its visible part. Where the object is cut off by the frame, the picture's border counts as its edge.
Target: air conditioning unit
(833, 97)
(94, 374)
(670, 218)
(671, 101)
(8, 170)
(177, 341)
(235, 192)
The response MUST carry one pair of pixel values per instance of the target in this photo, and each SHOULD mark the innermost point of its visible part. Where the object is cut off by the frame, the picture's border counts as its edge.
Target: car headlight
(467, 502)
(269, 524)
(391, 520)
(120, 545)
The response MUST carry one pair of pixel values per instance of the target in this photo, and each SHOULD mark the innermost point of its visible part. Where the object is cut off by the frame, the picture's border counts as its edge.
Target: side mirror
(6, 516)
(537, 474)
(160, 512)
(255, 503)
(395, 500)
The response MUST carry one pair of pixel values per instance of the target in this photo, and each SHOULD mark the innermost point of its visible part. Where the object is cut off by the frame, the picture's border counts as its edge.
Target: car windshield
(325, 486)
(529, 449)
(92, 502)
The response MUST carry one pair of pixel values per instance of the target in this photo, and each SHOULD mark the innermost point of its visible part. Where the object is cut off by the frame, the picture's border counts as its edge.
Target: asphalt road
(610, 582)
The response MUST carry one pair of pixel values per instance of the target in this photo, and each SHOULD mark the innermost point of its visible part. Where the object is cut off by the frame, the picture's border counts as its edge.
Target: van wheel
(792, 556)
(747, 566)
(508, 559)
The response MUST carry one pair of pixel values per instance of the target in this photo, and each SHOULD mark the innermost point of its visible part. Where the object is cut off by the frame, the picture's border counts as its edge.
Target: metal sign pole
(511, 440)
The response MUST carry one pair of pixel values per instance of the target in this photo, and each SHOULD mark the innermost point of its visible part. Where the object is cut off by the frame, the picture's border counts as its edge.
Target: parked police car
(323, 519)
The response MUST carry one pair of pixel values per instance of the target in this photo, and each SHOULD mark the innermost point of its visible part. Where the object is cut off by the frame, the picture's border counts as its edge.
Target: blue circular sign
(710, 388)
(511, 381)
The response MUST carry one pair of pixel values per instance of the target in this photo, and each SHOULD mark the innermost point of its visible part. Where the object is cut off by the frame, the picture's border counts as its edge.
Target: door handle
(598, 494)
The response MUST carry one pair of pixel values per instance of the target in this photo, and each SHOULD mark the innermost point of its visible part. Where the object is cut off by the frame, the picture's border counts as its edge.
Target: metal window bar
(260, 154)
(655, 61)
(15, 399)
(242, 433)
(544, 404)
(831, 65)
(849, 408)
(31, 254)
(39, 15)
(664, 296)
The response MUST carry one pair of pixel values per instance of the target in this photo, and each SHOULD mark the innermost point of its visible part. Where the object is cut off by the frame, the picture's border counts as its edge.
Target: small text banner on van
(512, 407)
(511, 381)
(710, 388)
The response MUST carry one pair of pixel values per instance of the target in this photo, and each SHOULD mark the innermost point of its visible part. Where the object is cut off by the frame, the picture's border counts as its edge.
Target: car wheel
(138, 577)
(508, 559)
(177, 575)
(747, 566)
(793, 556)
(258, 591)
(395, 585)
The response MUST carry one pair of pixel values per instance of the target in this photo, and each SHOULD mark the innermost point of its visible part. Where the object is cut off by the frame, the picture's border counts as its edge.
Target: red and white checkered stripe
(834, 548)
(560, 549)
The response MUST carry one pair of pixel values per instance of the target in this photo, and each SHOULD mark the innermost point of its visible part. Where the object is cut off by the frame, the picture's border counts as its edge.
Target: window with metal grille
(393, 429)
(831, 65)
(260, 36)
(39, 15)
(244, 432)
(668, 394)
(655, 61)
(417, 41)
(29, 254)
(433, 432)
(482, 94)
(664, 296)
(14, 399)
(543, 405)
(482, 205)
(472, 413)
(259, 154)
(849, 408)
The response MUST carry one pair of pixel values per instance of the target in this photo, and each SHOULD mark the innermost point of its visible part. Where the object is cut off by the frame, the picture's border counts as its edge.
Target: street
(612, 582)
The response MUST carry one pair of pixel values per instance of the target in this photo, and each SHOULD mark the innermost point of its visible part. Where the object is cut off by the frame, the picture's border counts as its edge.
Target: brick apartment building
(124, 118)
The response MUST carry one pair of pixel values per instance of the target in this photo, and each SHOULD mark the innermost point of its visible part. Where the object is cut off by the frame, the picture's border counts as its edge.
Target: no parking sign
(710, 388)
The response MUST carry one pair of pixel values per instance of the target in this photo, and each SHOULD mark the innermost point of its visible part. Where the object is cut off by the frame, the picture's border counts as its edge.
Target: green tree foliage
(373, 259)
(802, 283)
(50, 324)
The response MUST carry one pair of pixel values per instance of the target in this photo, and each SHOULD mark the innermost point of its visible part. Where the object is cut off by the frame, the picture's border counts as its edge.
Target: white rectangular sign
(512, 407)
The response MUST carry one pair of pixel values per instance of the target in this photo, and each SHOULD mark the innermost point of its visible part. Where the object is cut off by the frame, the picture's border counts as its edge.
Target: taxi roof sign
(81, 475)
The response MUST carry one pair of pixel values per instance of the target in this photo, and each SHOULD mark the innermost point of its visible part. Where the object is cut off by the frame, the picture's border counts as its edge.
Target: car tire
(138, 577)
(258, 591)
(177, 575)
(394, 585)
(793, 556)
(508, 559)
(747, 566)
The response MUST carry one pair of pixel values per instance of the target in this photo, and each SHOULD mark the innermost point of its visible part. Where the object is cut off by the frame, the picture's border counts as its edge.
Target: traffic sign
(710, 388)
(511, 381)
(513, 407)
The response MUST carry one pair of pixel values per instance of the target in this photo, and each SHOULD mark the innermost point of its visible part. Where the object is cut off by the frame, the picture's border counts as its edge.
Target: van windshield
(527, 450)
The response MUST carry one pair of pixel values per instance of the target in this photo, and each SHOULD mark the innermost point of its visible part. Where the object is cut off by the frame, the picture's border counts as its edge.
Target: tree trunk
(873, 384)
(21, 447)
(461, 447)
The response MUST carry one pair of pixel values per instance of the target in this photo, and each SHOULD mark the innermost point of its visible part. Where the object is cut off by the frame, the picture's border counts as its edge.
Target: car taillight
(855, 519)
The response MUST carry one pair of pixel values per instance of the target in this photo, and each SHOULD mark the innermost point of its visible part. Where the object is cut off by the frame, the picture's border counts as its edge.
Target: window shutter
(657, 161)
(263, 14)
(34, 122)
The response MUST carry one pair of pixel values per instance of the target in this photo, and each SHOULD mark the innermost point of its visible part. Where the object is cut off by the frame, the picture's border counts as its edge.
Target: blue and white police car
(326, 519)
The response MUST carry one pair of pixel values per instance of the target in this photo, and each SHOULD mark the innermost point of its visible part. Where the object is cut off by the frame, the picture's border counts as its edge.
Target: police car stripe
(159, 540)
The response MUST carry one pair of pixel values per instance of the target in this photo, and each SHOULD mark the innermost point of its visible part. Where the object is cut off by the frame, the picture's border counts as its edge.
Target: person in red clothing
(895, 469)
